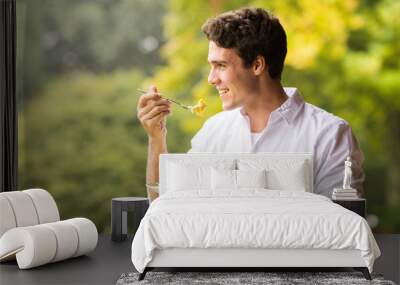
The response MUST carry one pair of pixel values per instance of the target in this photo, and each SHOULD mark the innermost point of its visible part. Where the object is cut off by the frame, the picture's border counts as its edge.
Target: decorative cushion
(66, 237)
(45, 206)
(23, 208)
(7, 220)
(87, 233)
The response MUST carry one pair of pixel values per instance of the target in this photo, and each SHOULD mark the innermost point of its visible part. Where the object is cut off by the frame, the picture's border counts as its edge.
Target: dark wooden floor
(110, 260)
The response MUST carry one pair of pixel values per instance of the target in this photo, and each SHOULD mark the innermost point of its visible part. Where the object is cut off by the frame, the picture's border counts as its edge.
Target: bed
(247, 210)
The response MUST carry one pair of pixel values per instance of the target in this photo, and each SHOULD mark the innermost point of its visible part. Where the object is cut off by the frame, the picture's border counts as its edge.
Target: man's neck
(271, 96)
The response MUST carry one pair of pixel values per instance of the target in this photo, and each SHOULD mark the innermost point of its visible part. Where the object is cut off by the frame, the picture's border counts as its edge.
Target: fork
(170, 100)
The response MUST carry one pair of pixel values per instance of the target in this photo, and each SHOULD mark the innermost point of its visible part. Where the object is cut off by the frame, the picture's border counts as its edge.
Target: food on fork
(199, 108)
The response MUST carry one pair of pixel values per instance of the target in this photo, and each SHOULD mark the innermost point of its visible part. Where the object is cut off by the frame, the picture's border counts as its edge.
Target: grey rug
(230, 278)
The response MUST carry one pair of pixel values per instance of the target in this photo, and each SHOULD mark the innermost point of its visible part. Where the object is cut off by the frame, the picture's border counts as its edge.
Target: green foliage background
(79, 137)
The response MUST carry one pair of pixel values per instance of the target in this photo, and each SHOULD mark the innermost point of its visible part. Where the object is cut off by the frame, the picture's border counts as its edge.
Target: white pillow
(292, 179)
(235, 179)
(182, 177)
(251, 178)
(223, 179)
(281, 174)
(193, 174)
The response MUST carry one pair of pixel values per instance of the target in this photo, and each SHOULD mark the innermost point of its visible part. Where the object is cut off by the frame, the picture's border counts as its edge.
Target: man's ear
(259, 65)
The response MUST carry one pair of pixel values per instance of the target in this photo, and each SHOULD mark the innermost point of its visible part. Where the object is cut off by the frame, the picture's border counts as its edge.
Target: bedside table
(358, 206)
(119, 215)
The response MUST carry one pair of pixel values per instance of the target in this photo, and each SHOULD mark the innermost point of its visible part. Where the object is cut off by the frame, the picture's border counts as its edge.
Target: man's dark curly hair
(251, 32)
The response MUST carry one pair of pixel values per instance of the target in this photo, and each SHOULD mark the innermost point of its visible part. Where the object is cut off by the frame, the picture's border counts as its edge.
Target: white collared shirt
(295, 126)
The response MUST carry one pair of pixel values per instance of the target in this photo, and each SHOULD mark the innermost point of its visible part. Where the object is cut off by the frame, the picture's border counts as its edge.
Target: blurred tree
(86, 145)
(61, 36)
(371, 73)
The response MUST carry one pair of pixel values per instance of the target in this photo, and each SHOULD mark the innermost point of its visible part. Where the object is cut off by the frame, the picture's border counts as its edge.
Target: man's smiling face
(233, 81)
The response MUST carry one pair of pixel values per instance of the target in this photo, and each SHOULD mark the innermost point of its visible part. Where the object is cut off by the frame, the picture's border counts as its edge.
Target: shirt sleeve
(331, 151)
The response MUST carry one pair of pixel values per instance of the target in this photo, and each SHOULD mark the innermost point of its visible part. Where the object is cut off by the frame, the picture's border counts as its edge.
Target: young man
(247, 49)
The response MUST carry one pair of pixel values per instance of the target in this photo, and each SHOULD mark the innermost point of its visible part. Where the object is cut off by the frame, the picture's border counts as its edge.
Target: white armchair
(31, 230)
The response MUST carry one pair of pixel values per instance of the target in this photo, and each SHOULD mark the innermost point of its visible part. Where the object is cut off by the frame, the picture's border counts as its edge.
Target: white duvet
(250, 219)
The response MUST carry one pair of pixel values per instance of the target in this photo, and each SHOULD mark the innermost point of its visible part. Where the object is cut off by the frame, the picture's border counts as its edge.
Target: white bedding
(251, 218)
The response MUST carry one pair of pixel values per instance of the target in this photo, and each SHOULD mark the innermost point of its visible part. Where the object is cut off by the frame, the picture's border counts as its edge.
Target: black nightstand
(119, 215)
(358, 206)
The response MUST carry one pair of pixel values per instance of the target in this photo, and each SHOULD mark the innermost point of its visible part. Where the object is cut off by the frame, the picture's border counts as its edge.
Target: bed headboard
(282, 165)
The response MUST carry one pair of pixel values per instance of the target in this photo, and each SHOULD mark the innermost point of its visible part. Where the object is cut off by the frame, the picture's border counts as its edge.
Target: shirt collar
(289, 108)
